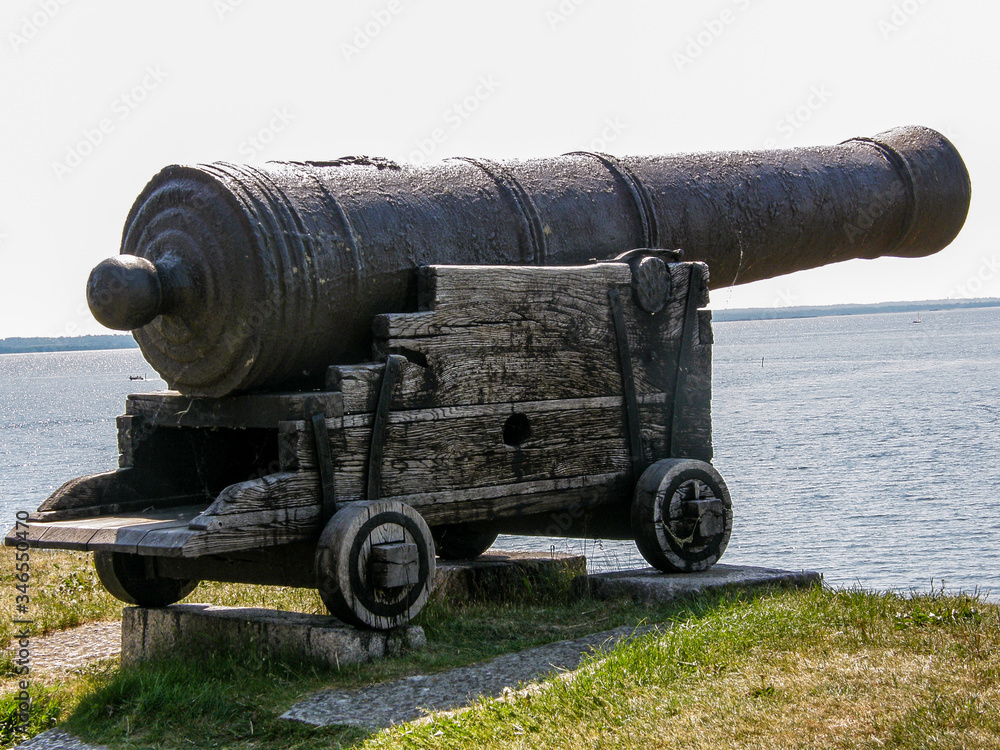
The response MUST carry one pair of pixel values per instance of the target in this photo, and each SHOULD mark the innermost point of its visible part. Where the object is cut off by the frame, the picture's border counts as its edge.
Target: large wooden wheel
(375, 564)
(462, 541)
(682, 515)
(130, 579)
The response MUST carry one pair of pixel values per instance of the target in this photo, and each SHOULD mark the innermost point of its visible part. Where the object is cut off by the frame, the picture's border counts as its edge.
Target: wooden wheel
(682, 515)
(462, 541)
(375, 564)
(130, 579)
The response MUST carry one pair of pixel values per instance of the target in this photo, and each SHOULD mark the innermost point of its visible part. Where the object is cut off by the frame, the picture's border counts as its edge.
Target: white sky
(562, 76)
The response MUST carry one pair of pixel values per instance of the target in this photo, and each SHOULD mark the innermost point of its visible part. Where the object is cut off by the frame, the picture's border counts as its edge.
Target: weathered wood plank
(298, 525)
(87, 533)
(555, 502)
(253, 410)
(287, 565)
(128, 538)
(492, 503)
(112, 492)
(509, 334)
(275, 509)
(289, 489)
(458, 291)
(692, 436)
(301, 522)
(463, 447)
(66, 537)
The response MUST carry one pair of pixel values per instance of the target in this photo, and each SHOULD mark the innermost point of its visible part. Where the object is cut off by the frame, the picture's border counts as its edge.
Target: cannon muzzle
(236, 277)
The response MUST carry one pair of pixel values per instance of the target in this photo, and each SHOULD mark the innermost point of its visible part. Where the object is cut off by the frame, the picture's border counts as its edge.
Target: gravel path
(57, 739)
(76, 647)
(414, 697)
(65, 650)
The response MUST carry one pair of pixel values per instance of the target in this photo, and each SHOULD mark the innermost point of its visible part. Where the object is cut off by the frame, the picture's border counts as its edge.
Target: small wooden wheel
(375, 564)
(682, 515)
(462, 541)
(130, 578)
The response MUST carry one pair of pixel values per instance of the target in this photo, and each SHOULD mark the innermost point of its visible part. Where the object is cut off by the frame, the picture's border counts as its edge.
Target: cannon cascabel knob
(125, 292)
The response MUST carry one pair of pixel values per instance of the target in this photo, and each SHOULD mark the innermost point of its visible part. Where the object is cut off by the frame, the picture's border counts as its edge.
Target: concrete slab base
(650, 585)
(202, 628)
(499, 575)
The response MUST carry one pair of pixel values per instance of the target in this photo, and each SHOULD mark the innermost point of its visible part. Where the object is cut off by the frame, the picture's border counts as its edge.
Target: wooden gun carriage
(502, 395)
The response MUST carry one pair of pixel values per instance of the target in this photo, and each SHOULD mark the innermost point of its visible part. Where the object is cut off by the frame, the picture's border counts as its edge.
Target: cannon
(373, 365)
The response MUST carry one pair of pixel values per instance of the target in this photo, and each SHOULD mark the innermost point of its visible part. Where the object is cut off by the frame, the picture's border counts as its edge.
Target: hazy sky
(97, 97)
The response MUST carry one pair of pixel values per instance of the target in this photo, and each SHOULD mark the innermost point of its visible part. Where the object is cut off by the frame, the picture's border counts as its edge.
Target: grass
(809, 669)
(799, 669)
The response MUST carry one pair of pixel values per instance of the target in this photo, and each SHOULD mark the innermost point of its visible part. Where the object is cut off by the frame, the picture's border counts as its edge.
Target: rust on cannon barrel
(236, 278)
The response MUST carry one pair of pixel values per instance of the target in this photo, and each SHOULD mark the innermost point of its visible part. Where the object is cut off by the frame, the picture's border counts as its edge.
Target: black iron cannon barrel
(236, 277)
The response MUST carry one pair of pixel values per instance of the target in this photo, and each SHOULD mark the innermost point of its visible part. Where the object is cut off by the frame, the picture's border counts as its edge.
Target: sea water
(865, 447)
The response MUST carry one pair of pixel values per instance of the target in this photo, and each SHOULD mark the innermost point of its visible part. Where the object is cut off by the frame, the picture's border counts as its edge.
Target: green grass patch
(45, 711)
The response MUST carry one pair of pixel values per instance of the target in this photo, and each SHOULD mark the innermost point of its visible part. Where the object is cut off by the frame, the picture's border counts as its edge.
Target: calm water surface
(864, 447)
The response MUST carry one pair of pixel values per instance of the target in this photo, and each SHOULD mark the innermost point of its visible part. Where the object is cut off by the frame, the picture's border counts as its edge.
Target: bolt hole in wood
(516, 430)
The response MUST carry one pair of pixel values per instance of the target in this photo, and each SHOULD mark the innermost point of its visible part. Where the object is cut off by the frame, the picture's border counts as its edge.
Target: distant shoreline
(40, 344)
(819, 311)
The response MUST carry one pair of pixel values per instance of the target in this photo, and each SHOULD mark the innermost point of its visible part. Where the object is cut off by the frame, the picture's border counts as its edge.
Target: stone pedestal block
(201, 628)
(502, 575)
(649, 584)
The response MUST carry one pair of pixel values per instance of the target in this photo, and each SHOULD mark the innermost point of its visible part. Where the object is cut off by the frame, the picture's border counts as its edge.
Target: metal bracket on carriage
(651, 283)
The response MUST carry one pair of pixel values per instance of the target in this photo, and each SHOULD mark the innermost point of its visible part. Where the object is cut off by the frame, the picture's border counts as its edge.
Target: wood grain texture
(538, 342)
(112, 492)
(462, 448)
(285, 565)
(123, 531)
(272, 510)
(509, 334)
(253, 410)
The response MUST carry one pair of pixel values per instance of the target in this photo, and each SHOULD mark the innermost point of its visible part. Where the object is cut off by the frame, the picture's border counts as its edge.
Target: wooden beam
(253, 410)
